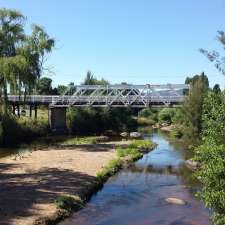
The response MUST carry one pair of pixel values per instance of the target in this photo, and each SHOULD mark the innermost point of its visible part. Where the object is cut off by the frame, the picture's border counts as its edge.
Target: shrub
(14, 131)
(166, 115)
(69, 203)
(177, 133)
(89, 120)
(211, 155)
(145, 121)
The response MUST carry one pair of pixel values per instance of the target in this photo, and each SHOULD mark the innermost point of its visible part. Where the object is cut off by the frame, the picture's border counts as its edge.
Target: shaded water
(136, 195)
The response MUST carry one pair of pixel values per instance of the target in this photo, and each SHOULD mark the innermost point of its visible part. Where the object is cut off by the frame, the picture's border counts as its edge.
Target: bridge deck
(111, 95)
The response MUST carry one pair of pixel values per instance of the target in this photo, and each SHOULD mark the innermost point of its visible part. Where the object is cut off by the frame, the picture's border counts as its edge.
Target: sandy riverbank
(30, 183)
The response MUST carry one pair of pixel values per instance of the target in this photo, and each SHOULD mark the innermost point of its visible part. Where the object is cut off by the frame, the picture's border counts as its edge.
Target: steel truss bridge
(136, 96)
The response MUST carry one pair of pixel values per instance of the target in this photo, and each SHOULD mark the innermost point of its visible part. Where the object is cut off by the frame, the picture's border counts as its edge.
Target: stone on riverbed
(191, 164)
(124, 134)
(135, 134)
(175, 201)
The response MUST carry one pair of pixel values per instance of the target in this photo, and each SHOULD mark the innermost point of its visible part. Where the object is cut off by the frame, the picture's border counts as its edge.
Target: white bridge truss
(112, 96)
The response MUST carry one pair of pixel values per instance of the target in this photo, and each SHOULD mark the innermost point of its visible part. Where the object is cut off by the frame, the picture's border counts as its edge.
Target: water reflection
(137, 195)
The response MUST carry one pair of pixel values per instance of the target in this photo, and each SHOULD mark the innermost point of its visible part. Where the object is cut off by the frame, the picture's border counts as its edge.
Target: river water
(136, 195)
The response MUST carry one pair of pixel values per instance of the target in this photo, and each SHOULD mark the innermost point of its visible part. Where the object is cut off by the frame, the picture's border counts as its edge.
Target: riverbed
(137, 195)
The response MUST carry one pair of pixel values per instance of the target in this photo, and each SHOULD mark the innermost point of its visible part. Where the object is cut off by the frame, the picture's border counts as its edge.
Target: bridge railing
(112, 95)
(91, 100)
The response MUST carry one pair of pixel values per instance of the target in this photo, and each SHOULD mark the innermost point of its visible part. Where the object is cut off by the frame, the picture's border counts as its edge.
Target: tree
(61, 89)
(215, 56)
(44, 86)
(216, 89)
(192, 108)
(21, 55)
(91, 80)
(11, 35)
(211, 154)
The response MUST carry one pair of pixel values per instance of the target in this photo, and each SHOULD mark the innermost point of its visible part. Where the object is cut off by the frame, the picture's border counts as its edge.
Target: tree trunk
(5, 98)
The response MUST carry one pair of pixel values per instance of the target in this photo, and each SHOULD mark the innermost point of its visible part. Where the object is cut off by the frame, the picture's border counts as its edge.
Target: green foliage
(176, 133)
(129, 151)
(113, 166)
(145, 129)
(21, 55)
(166, 115)
(83, 140)
(133, 150)
(69, 203)
(178, 117)
(61, 89)
(215, 56)
(211, 154)
(145, 121)
(89, 120)
(149, 113)
(142, 144)
(217, 89)
(193, 106)
(44, 86)
(14, 131)
(148, 116)
(91, 80)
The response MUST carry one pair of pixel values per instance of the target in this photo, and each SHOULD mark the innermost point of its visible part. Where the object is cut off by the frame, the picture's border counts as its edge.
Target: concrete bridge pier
(57, 119)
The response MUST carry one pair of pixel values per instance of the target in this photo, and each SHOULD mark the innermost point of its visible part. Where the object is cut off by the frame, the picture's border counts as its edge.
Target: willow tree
(21, 55)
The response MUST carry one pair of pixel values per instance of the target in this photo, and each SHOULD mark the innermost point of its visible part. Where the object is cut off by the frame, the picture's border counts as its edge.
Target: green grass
(123, 152)
(145, 121)
(142, 144)
(133, 150)
(85, 140)
(81, 140)
(69, 204)
(113, 166)
(145, 129)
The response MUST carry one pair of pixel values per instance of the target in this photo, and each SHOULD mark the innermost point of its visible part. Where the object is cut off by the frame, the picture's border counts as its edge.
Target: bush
(87, 120)
(177, 133)
(14, 131)
(166, 115)
(146, 121)
(211, 155)
(148, 116)
(69, 203)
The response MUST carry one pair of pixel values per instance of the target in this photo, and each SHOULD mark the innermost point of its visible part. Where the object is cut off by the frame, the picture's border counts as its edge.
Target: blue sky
(135, 41)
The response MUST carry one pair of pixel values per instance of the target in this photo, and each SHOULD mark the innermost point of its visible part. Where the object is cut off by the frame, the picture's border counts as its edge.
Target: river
(136, 195)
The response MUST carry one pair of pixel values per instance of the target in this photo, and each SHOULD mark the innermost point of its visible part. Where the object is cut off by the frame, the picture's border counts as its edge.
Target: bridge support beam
(57, 119)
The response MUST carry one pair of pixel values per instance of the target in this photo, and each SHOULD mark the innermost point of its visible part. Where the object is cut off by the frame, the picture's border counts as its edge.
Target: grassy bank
(68, 204)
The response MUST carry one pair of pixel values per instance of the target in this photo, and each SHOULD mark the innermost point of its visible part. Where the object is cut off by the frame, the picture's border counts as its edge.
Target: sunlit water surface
(136, 196)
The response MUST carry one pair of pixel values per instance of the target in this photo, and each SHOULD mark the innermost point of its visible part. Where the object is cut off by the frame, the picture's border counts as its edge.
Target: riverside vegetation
(201, 119)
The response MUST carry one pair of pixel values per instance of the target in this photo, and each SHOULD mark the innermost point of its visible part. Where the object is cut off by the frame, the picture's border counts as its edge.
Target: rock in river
(124, 134)
(135, 134)
(191, 164)
(175, 201)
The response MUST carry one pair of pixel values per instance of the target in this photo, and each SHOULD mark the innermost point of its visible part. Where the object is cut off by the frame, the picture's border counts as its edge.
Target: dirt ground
(29, 183)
